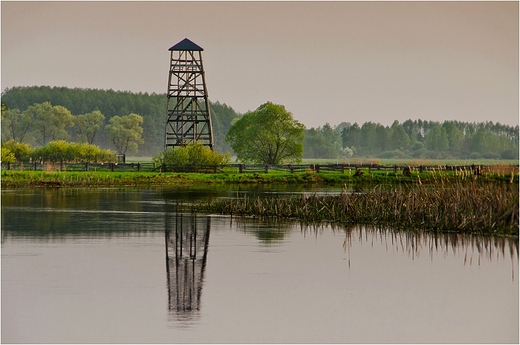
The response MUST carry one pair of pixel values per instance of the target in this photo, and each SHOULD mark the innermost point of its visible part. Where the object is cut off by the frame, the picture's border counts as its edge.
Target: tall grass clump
(462, 207)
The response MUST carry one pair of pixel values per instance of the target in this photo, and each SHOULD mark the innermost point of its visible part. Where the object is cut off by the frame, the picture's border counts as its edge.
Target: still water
(122, 266)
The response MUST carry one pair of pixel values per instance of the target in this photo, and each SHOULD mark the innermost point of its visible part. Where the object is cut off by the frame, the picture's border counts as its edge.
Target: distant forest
(410, 139)
(152, 107)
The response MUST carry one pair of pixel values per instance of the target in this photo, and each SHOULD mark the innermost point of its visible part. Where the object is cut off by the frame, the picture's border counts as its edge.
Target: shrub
(509, 154)
(491, 155)
(192, 157)
(21, 151)
(475, 155)
(62, 151)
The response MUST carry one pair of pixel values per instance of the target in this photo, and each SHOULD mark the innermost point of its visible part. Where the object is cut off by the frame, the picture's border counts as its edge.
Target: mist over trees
(93, 109)
(38, 115)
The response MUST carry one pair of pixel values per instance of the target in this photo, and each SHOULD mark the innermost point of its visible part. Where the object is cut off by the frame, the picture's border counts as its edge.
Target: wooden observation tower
(188, 118)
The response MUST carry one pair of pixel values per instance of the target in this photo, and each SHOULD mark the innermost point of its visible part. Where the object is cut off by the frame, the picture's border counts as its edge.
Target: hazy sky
(325, 61)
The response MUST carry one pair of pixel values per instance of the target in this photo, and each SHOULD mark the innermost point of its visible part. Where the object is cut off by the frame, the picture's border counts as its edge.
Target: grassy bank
(30, 179)
(462, 207)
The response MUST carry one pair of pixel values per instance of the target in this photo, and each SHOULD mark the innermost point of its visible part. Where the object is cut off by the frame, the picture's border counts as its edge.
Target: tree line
(93, 108)
(414, 139)
(99, 116)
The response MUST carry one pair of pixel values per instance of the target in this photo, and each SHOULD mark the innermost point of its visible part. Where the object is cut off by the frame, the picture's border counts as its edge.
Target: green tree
(455, 136)
(125, 132)
(15, 125)
(368, 137)
(436, 139)
(88, 125)
(399, 138)
(267, 135)
(49, 122)
(7, 155)
(350, 135)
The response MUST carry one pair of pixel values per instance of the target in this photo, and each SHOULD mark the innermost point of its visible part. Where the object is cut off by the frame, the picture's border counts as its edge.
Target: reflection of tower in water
(187, 238)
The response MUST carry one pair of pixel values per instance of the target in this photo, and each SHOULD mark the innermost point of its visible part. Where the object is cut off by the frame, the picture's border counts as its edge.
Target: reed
(464, 206)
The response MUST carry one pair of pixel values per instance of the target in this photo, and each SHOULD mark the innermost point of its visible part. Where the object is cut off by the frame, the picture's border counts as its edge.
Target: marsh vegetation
(464, 206)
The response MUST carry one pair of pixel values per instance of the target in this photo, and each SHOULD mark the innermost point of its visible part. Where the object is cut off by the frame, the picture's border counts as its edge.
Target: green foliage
(7, 155)
(49, 122)
(431, 140)
(125, 132)
(322, 142)
(62, 151)
(222, 116)
(453, 140)
(20, 151)
(152, 107)
(267, 135)
(88, 125)
(192, 157)
(16, 125)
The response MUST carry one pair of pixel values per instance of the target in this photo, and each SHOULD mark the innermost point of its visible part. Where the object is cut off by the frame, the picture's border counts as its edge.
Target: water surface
(119, 266)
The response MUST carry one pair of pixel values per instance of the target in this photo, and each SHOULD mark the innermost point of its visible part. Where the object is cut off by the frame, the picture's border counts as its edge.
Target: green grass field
(399, 162)
(27, 178)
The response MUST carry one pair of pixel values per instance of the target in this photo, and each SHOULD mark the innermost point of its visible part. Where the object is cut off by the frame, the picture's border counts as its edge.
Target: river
(123, 266)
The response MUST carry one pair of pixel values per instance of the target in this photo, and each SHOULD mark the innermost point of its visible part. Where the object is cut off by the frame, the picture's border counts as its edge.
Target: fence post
(370, 168)
(342, 168)
(266, 168)
(240, 168)
(112, 167)
(86, 166)
(395, 169)
(317, 168)
(138, 166)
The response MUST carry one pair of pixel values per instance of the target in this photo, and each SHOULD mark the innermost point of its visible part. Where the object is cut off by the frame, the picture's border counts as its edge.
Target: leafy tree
(192, 157)
(49, 122)
(125, 132)
(383, 135)
(267, 135)
(350, 136)
(436, 139)
(399, 138)
(222, 116)
(368, 137)
(454, 134)
(315, 145)
(88, 125)
(7, 155)
(15, 125)
(20, 151)
(322, 142)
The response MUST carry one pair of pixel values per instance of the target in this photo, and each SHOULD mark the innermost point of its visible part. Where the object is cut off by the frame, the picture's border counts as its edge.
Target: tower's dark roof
(186, 44)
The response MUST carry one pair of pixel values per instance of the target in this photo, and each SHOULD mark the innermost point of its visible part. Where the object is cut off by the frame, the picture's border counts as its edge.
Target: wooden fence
(39, 166)
(247, 168)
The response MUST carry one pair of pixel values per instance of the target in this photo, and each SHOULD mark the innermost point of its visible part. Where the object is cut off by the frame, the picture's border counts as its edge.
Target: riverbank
(34, 179)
